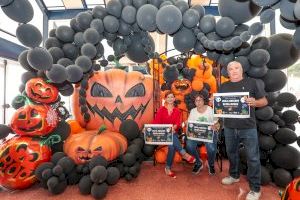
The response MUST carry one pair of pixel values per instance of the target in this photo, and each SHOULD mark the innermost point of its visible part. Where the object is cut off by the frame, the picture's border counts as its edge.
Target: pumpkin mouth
(111, 116)
(39, 95)
(84, 158)
(33, 128)
(182, 87)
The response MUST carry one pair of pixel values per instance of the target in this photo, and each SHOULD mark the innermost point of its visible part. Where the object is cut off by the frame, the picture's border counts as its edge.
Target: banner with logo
(158, 134)
(231, 105)
(200, 131)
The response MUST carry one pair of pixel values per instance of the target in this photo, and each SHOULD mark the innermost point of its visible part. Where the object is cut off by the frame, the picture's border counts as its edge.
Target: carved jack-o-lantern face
(183, 87)
(34, 120)
(40, 91)
(83, 146)
(114, 96)
(19, 157)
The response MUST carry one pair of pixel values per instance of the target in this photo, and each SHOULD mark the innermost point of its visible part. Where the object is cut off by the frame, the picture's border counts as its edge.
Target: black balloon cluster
(95, 176)
(276, 127)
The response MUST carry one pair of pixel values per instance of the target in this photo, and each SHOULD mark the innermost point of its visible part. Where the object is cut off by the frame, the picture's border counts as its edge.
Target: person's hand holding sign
(250, 101)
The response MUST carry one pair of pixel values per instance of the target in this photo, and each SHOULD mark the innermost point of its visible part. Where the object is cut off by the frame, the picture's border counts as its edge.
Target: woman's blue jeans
(211, 148)
(171, 150)
(249, 138)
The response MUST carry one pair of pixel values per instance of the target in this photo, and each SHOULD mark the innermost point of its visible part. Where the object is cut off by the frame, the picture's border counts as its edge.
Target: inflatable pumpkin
(292, 191)
(40, 91)
(114, 96)
(181, 87)
(81, 147)
(19, 157)
(161, 155)
(34, 120)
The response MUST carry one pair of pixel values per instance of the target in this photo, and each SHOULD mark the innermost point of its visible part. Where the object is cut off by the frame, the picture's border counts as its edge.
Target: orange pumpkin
(182, 87)
(34, 120)
(161, 155)
(81, 147)
(40, 91)
(114, 96)
(75, 127)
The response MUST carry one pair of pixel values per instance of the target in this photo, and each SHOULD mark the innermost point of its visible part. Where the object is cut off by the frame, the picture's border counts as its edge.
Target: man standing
(243, 130)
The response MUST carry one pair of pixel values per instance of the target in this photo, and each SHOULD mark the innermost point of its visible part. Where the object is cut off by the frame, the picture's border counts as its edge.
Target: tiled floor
(152, 183)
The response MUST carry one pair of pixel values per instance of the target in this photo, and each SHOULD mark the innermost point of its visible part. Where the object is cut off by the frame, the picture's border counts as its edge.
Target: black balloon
(65, 62)
(136, 50)
(74, 73)
(99, 12)
(282, 177)
(65, 33)
(40, 59)
(280, 158)
(84, 20)
(52, 42)
(274, 80)
(70, 51)
(286, 99)
(29, 35)
(22, 59)
(114, 7)
(184, 40)
(261, 43)
(282, 51)
(91, 35)
(266, 142)
(89, 50)
(285, 136)
(111, 24)
(169, 19)
(84, 63)
(19, 11)
(57, 74)
(239, 11)
(265, 113)
(56, 53)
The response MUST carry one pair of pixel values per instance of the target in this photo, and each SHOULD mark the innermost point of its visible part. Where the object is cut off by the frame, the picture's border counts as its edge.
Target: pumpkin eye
(38, 85)
(99, 90)
(136, 91)
(34, 113)
(98, 149)
(48, 90)
(22, 115)
(80, 149)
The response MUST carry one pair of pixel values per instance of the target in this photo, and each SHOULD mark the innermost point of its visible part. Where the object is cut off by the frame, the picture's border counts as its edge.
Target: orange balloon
(197, 85)
(75, 127)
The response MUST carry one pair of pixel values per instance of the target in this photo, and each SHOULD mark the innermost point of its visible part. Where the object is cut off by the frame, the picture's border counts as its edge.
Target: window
(1, 92)
(14, 72)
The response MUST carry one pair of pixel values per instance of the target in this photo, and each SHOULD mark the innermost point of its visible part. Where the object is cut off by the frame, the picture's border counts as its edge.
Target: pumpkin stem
(101, 129)
(51, 140)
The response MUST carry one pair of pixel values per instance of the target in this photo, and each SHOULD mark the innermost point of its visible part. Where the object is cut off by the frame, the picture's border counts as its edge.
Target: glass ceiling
(88, 4)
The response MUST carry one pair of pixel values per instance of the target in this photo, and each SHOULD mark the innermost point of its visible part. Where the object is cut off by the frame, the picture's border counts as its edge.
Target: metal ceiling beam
(9, 49)
(42, 6)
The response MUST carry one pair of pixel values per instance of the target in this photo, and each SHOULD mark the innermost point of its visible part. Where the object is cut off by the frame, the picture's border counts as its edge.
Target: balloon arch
(70, 63)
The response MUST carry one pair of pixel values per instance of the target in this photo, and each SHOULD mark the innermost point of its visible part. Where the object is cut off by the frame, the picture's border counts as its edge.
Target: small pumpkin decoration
(34, 120)
(81, 147)
(40, 91)
(182, 87)
(19, 157)
(75, 127)
(161, 155)
(114, 96)
(292, 191)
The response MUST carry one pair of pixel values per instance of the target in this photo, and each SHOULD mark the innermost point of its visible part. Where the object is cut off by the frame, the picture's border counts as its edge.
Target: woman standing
(169, 114)
(203, 113)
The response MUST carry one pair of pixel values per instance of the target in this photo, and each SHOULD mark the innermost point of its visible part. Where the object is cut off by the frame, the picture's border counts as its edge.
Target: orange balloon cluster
(204, 69)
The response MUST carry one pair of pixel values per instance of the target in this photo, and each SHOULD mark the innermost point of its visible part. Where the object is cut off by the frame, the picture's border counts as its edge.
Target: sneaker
(253, 195)
(229, 180)
(211, 170)
(197, 168)
(170, 173)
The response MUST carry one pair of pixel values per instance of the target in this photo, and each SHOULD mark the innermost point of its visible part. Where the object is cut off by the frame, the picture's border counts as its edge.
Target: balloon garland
(69, 58)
